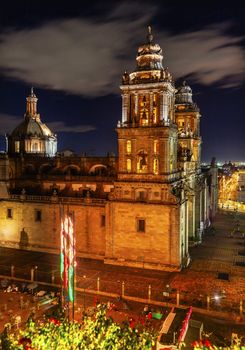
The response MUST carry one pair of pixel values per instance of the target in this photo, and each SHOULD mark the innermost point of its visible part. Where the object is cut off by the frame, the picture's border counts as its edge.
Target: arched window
(129, 165)
(155, 109)
(144, 110)
(129, 147)
(156, 147)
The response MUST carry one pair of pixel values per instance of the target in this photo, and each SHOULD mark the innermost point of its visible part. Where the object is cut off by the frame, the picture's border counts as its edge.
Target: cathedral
(143, 208)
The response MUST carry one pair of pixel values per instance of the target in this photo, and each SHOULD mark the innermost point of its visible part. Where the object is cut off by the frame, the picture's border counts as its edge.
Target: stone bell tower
(147, 226)
(147, 133)
(188, 120)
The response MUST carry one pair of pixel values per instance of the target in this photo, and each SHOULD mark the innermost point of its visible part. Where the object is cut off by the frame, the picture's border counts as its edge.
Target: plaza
(213, 284)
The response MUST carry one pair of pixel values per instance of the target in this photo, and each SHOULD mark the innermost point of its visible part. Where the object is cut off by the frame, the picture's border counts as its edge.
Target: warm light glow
(129, 147)
(17, 146)
(129, 165)
(155, 146)
(155, 166)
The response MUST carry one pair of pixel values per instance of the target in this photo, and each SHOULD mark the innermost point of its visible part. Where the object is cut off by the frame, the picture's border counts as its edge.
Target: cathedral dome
(184, 94)
(31, 127)
(31, 135)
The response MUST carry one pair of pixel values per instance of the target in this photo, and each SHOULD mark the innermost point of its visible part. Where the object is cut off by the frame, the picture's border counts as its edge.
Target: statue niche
(142, 162)
(24, 239)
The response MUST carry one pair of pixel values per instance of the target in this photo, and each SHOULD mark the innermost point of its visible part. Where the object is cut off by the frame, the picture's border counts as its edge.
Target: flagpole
(68, 269)
(61, 252)
(73, 241)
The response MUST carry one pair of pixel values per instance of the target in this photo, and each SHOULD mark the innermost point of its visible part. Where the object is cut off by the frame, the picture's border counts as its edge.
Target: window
(35, 147)
(129, 147)
(9, 213)
(155, 109)
(156, 146)
(129, 165)
(155, 166)
(102, 223)
(17, 146)
(144, 110)
(140, 225)
(141, 195)
(38, 215)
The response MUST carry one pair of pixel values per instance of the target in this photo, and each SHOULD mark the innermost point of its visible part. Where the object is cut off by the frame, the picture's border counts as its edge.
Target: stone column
(194, 216)
(151, 108)
(124, 108)
(136, 99)
(165, 107)
(161, 106)
(197, 214)
(191, 215)
(186, 228)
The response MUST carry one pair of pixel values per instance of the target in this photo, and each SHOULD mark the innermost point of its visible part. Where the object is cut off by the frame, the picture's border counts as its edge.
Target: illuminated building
(143, 208)
(32, 136)
(232, 187)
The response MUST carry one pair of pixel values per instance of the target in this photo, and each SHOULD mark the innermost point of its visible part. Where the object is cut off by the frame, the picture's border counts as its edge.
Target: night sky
(74, 56)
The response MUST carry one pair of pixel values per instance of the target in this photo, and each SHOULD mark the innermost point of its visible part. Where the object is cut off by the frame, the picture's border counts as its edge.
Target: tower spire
(149, 35)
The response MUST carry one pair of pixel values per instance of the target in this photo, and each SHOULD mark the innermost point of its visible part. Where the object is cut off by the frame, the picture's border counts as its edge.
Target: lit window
(129, 147)
(129, 165)
(9, 213)
(155, 146)
(35, 147)
(155, 166)
(17, 146)
(144, 110)
(102, 222)
(140, 225)
(38, 215)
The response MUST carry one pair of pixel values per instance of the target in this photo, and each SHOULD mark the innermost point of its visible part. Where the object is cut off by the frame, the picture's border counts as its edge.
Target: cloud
(9, 122)
(87, 56)
(62, 127)
(209, 56)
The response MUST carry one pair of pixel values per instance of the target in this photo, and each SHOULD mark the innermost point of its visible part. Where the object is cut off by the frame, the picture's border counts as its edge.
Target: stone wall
(22, 230)
(157, 247)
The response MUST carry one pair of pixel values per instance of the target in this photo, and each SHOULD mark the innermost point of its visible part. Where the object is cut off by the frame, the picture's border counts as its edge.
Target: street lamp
(216, 297)
(84, 277)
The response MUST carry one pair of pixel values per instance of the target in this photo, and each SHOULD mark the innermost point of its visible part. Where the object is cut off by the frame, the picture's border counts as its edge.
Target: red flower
(149, 316)
(54, 321)
(195, 343)
(132, 323)
(207, 343)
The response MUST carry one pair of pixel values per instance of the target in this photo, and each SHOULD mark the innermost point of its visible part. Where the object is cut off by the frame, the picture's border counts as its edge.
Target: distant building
(232, 186)
(141, 209)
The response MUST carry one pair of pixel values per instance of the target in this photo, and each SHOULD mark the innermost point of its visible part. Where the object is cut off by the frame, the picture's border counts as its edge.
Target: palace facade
(143, 208)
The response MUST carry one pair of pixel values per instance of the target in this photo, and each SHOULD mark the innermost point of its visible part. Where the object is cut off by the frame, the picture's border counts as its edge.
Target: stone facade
(141, 209)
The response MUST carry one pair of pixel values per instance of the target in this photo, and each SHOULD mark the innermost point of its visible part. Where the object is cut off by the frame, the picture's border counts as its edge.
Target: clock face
(181, 107)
